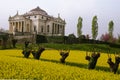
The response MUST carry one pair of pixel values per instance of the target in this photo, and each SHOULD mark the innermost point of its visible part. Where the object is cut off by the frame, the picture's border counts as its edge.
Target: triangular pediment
(17, 17)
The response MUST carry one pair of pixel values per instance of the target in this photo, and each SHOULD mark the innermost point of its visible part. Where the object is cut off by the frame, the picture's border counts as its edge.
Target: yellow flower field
(14, 66)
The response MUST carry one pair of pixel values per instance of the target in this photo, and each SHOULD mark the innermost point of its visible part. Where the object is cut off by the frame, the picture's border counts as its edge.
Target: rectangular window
(42, 29)
(34, 28)
(42, 17)
(47, 28)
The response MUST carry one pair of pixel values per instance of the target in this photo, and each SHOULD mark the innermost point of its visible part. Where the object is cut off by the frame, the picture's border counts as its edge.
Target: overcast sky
(69, 10)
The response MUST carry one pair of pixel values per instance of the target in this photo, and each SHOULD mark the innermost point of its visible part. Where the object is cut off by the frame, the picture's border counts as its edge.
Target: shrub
(40, 39)
(14, 41)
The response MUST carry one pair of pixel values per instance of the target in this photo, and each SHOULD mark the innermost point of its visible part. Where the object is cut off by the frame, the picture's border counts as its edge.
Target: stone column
(63, 31)
(58, 29)
(52, 30)
(31, 30)
(10, 27)
(24, 27)
(55, 29)
(28, 27)
(21, 26)
(15, 26)
(18, 27)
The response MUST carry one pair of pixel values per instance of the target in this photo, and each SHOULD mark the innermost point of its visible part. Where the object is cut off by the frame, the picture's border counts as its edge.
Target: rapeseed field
(14, 66)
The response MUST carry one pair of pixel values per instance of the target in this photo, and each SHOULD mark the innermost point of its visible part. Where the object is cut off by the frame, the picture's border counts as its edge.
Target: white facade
(37, 21)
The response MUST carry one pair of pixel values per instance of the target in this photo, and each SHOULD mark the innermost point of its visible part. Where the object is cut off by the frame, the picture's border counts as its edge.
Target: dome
(36, 11)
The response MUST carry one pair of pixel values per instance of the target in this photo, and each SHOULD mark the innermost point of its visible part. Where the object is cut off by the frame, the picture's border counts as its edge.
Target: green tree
(110, 29)
(71, 39)
(94, 27)
(4, 38)
(79, 27)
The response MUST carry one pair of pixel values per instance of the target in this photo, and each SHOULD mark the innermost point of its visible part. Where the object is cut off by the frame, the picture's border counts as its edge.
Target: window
(34, 28)
(42, 29)
(47, 28)
(29, 17)
(42, 17)
(34, 16)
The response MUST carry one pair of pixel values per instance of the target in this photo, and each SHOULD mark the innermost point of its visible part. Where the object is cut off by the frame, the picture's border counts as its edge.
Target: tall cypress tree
(79, 26)
(94, 27)
(110, 29)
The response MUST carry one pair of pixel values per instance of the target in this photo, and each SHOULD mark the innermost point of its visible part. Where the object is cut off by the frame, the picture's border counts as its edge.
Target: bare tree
(64, 54)
(113, 65)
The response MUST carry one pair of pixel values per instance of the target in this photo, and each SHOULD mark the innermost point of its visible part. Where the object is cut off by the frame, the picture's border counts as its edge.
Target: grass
(14, 66)
(83, 47)
(102, 47)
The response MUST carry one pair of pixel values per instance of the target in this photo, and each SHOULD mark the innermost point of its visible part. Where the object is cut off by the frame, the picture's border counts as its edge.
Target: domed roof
(36, 11)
